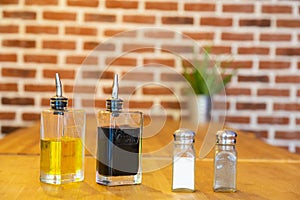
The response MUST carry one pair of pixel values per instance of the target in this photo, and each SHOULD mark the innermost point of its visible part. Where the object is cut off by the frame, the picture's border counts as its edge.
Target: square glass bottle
(62, 141)
(119, 143)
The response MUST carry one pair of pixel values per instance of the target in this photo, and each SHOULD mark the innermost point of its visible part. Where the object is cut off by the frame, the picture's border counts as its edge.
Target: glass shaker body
(119, 148)
(62, 146)
(183, 176)
(225, 163)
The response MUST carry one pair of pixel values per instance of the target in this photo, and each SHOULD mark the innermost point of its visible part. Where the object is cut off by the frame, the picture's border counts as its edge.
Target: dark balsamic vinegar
(118, 151)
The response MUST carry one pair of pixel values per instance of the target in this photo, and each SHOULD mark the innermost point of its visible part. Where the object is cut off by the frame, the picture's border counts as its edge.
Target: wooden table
(264, 172)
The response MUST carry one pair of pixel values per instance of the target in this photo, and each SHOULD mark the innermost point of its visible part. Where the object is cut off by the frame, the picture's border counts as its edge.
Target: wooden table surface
(263, 172)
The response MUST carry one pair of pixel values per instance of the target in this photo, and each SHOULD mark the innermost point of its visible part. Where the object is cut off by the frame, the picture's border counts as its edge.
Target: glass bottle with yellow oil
(62, 141)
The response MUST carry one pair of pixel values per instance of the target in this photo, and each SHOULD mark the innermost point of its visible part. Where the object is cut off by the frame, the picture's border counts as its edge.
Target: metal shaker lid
(227, 137)
(184, 135)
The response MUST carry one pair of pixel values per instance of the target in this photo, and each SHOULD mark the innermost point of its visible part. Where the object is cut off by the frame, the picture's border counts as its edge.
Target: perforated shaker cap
(184, 135)
(227, 137)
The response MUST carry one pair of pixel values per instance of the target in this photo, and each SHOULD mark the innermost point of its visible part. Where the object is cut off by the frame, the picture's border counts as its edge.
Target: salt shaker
(225, 161)
(183, 161)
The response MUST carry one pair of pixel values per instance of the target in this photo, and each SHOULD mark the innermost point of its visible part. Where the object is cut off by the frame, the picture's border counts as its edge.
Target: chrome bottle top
(58, 102)
(226, 137)
(114, 104)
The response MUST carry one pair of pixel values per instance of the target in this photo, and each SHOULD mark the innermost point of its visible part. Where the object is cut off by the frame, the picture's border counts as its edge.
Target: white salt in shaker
(183, 161)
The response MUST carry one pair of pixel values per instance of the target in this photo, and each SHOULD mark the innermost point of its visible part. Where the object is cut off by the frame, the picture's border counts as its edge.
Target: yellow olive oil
(61, 156)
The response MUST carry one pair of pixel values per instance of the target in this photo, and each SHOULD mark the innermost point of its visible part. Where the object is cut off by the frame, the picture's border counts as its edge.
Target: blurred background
(258, 39)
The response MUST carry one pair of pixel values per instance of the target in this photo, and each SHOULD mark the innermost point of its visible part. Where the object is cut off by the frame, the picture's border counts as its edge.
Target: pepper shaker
(183, 161)
(225, 161)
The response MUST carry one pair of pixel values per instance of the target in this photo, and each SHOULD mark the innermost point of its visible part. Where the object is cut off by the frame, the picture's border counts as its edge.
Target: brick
(215, 21)
(287, 106)
(7, 2)
(121, 4)
(238, 64)
(274, 65)
(80, 89)
(93, 103)
(56, 44)
(81, 31)
(250, 106)
(9, 29)
(159, 34)
(253, 78)
(289, 23)
(203, 7)
(272, 120)
(41, 29)
(237, 119)
(157, 91)
(83, 3)
(98, 75)
(238, 91)
(7, 115)
(237, 36)
(22, 101)
(99, 17)
(63, 74)
(119, 33)
(139, 19)
(41, 2)
(254, 50)
(8, 57)
(170, 77)
(279, 9)
(172, 105)
(31, 116)
(288, 51)
(138, 76)
(99, 46)
(122, 90)
(121, 61)
(8, 87)
(177, 48)
(31, 58)
(16, 72)
(199, 35)
(159, 62)
(238, 8)
(275, 37)
(68, 16)
(255, 22)
(39, 88)
(19, 14)
(156, 5)
(140, 104)
(177, 20)
(273, 92)
(287, 79)
(287, 135)
(219, 49)
(19, 43)
(82, 60)
(138, 48)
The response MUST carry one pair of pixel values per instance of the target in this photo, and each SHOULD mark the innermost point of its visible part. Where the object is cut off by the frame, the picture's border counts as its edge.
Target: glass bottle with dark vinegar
(119, 143)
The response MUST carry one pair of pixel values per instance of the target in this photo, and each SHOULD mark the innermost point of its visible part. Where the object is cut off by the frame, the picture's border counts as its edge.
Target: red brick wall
(41, 37)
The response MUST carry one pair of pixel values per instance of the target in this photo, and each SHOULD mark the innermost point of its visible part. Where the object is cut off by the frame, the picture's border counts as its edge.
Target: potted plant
(206, 78)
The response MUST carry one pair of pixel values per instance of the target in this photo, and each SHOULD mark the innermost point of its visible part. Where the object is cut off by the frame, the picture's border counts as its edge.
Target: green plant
(206, 77)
